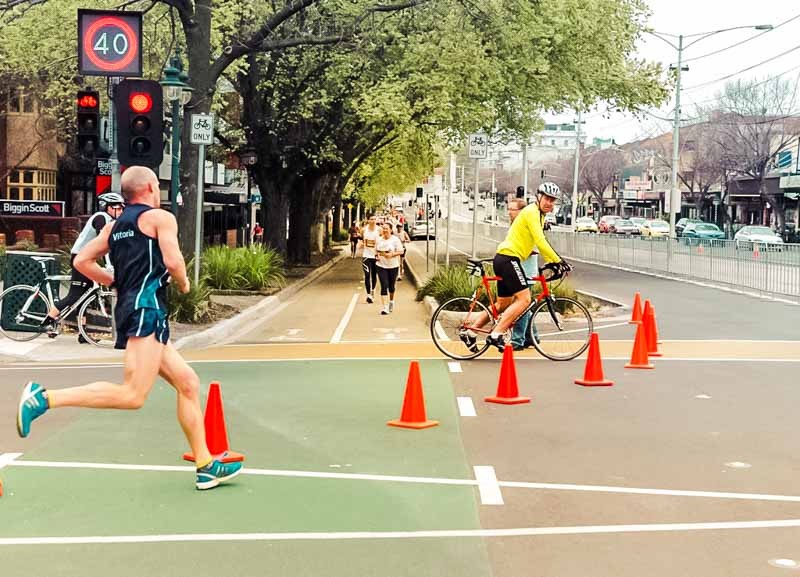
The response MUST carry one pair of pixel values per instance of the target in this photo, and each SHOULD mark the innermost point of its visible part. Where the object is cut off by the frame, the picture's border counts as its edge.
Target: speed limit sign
(109, 43)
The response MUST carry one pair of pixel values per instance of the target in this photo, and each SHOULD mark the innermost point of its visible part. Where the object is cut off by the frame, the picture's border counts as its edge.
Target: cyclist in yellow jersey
(525, 236)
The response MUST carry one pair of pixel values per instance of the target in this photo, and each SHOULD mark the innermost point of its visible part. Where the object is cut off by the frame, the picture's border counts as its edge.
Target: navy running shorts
(143, 323)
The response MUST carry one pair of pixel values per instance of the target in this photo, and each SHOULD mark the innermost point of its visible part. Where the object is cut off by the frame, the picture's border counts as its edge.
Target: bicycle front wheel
(560, 328)
(96, 319)
(459, 328)
(22, 310)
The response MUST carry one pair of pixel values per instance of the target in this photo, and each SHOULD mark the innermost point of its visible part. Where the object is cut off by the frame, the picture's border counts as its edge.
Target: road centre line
(441, 534)
(421, 480)
(488, 486)
(466, 408)
(337, 335)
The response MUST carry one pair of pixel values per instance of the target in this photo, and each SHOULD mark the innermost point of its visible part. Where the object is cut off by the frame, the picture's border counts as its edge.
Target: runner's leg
(177, 372)
(142, 360)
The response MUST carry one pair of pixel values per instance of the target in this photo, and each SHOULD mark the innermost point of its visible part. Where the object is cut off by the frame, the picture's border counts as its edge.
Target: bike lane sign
(202, 129)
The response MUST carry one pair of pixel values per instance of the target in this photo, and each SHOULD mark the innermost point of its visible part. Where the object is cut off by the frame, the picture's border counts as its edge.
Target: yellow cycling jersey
(526, 234)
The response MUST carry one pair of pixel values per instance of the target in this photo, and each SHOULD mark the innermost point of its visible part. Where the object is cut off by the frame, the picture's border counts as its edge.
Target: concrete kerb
(248, 319)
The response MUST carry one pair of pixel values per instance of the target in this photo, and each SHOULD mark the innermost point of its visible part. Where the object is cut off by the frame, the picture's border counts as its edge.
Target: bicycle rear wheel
(560, 328)
(22, 310)
(454, 328)
(96, 319)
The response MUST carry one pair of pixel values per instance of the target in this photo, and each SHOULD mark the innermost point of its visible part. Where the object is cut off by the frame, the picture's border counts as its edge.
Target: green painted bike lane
(322, 416)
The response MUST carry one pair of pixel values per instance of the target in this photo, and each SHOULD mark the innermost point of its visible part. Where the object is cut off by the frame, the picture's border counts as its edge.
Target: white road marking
(784, 563)
(454, 367)
(293, 332)
(702, 397)
(8, 458)
(423, 480)
(466, 407)
(443, 534)
(337, 335)
(488, 486)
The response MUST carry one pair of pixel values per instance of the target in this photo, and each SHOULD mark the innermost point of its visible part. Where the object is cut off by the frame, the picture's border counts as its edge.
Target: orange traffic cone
(636, 315)
(507, 388)
(650, 330)
(756, 252)
(413, 414)
(639, 358)
(593, 373)
(216, 433)
(1, 487)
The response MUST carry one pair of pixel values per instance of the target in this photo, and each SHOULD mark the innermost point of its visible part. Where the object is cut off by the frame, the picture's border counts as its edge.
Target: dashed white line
(454, 367)
(488, 486)
(337, 335)
(466, 407)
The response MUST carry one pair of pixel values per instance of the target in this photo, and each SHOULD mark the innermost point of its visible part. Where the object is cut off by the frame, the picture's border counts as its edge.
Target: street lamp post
(178, 92)
(249, 158)
(674, 193)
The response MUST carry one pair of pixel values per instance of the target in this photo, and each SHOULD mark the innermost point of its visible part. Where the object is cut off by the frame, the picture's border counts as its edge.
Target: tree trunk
(198, 42)
(274, 208)
(337, 220)
(301, 219)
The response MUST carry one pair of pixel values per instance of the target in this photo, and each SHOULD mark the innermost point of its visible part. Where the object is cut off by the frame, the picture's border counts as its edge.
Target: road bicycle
(559, 328)
(23, 308)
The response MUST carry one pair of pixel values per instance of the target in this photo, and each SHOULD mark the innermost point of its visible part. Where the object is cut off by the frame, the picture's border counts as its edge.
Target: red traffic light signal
(140, 121)
(140, 102)
(88, 121)
(88, 100)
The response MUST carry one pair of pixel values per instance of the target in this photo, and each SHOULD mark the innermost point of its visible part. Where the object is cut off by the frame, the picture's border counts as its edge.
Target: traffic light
(88, 102)
(420, 192)
(140, 118)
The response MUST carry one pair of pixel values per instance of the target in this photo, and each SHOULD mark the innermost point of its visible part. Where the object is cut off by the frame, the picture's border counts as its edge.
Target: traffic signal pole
(116, 172)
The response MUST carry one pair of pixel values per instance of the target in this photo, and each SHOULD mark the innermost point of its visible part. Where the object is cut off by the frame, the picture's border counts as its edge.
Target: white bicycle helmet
(110, 198)
(549, 189)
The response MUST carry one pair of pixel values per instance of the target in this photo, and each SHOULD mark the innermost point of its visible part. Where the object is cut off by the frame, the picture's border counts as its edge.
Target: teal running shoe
(32, 404)
(215, 473)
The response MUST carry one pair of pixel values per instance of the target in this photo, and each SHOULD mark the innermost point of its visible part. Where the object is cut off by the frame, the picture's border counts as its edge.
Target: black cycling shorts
(512, 277)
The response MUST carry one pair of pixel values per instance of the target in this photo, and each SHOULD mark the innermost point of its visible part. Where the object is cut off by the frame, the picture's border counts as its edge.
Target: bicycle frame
(484, 286)
(44, 287)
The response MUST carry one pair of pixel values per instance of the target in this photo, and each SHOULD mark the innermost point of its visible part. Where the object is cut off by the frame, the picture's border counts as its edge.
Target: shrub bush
(244, 268)
(193, 307)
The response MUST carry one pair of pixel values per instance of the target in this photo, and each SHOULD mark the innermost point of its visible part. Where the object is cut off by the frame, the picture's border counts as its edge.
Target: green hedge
(244, 268)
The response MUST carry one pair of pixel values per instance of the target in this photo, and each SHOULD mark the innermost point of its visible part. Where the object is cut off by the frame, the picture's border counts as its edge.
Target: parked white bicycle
(23, 308)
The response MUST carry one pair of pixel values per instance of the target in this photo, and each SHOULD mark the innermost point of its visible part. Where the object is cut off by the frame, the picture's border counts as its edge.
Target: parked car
(585, 224)
(549, 220)
(624, 226)
(420, 231)
(655, 228)
(750, 235)
(638, 221)
(701, 231)
(605, 222)
(682, 223)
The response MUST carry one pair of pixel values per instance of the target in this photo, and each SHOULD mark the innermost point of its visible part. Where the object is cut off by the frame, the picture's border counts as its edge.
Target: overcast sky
(698, 16)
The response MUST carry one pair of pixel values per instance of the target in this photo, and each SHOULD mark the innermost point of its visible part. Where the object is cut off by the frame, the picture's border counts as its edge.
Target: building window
(31, 184)
(566, 143)
(18, 101)
(552, 142)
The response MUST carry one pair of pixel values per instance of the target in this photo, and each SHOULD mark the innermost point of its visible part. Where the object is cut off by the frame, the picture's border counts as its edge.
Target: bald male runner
(143, 244)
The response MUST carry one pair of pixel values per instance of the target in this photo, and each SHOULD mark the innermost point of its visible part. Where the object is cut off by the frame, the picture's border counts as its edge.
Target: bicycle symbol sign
(202, 129)
(478, 145)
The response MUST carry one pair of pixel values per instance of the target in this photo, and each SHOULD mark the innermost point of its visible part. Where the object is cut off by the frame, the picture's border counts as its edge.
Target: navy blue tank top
(140, 276)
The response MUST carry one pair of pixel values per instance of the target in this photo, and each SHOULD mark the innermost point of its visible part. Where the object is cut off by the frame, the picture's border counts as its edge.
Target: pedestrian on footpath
(404, 238)
(355, 234)
(369, 237)
(389, 249)
(519, 333)
(143, 243)
(258, 234)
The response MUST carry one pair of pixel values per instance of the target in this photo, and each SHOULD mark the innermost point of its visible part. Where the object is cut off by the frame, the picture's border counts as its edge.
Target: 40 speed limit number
(110, 43)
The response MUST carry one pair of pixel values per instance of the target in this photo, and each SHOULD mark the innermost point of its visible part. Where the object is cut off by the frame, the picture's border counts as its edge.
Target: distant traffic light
(88, 102)
(140, 118)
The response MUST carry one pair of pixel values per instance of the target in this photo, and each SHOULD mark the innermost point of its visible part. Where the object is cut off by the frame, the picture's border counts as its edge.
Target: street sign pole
(477, 148)
(201, 132)
(198, 225)
(116, 173)
(427, 233)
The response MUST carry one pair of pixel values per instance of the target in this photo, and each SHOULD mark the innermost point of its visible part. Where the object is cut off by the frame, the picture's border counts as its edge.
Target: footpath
(249, 310)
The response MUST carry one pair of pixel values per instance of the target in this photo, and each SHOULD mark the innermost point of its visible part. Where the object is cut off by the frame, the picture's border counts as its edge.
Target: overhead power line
(795, 17)
(728, 76)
